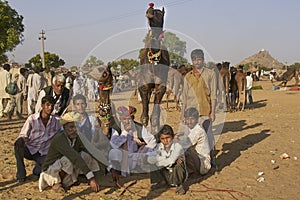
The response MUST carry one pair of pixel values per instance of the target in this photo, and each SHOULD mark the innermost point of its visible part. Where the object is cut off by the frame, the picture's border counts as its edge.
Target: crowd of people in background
(52, 135)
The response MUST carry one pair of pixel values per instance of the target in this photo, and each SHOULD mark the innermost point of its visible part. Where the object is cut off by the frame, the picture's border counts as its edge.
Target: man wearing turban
(67, 158)
(130, 144)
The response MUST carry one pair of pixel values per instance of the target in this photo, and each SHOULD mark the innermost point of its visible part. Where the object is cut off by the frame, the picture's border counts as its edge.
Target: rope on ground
(230, 192)
(208, 189)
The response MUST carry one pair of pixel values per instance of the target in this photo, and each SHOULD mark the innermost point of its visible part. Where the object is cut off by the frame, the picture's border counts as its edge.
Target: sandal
(180, 190)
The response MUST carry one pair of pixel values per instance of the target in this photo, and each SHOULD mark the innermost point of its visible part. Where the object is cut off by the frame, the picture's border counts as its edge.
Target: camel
(237, 88)
(104, 76)
(175, 84)
(224, 78)
(154, 61)
(240, 78)
(287, 76)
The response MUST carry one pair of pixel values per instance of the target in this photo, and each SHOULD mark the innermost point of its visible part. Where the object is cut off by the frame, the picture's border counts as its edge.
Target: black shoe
(158, 185)
(21, 180)
(20, 117)
(9, 115)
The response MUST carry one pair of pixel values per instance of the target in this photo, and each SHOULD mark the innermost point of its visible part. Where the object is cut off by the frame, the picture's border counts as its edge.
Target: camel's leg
(145, 92)
(242, 99)
(167, 99)
(155, 116)
(297, 80)
(176, 102)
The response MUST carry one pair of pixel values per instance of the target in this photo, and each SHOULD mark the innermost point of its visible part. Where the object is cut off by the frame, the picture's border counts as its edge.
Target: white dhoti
(51, 176)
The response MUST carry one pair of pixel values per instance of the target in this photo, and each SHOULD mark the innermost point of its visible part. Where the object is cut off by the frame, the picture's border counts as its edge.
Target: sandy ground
(249, 142)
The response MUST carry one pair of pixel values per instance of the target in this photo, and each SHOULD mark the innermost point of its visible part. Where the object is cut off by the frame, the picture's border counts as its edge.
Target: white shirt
(197, 136)
(34, 83)
(5, 78)
(162, 158)
(249, 80)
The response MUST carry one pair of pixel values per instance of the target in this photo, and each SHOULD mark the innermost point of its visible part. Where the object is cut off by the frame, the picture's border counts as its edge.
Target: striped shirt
(38, 136)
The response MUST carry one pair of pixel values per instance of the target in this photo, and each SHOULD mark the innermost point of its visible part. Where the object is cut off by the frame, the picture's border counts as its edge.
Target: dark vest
(86, 128)
(65, 97)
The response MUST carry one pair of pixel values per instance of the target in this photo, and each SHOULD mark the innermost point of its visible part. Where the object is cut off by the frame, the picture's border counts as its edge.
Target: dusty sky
(227, 30)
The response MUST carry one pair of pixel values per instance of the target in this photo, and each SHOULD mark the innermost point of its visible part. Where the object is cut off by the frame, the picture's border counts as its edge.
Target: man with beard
(200, 91)
(60, 93)
(67, 158)
(130, 143)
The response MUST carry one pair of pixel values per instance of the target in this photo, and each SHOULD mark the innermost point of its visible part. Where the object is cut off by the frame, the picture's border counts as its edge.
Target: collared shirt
(196, 136)
(162, 158)
(200, 91)
(37, 136)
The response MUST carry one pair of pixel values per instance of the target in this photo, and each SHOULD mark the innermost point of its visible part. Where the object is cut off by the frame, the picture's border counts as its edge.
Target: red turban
(151, 4)
(126, 112)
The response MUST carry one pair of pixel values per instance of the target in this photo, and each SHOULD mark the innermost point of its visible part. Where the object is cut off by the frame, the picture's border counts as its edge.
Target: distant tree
(265, 68)
(3, 58)
(93, 61)
(126, 64)
(175, 46)
(246, 66)
(51, 60)
(11, 31)
(295, 65)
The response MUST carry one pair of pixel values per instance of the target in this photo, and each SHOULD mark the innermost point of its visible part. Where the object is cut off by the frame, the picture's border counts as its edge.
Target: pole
(43, 38)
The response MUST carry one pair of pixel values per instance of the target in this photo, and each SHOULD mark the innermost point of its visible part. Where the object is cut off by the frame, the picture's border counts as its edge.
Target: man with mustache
(130, 143)
(60, 93)
(67, 158)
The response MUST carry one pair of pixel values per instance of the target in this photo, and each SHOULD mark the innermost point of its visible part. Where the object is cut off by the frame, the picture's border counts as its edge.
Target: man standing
(34, 83)
(60, 93)
(34, 140)
(5, 78)
(249, 84)
(200, 91)
(22, 94)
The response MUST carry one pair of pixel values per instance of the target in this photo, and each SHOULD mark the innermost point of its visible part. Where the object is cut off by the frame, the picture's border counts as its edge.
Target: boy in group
(35, 138)
(67, 158)
(195, 144)
(87, 123)
(89, 127)
(168, 156)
